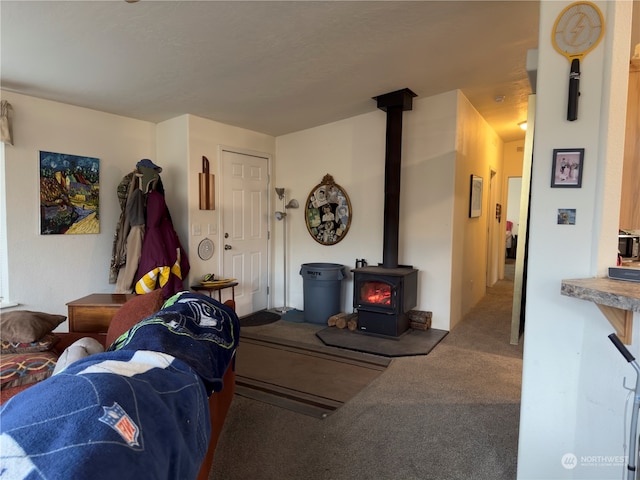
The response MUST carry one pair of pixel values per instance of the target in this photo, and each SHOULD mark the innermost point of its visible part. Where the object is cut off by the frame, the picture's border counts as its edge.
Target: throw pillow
(25, 326)
(136, 309)
(24, 369)
(46, 343)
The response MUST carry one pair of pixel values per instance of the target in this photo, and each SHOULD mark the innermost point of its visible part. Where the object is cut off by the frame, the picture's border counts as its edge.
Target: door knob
(227, 247)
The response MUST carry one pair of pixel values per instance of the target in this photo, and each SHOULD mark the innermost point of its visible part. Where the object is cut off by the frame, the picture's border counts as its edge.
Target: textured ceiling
(272, 67)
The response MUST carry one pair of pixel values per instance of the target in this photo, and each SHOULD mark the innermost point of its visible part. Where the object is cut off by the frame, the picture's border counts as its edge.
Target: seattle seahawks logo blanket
(136, 411)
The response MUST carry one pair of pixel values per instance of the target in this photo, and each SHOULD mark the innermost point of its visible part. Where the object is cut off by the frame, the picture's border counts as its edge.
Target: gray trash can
(321, 287)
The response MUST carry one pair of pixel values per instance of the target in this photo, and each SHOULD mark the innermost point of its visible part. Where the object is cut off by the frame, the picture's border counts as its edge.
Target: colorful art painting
(69, 194)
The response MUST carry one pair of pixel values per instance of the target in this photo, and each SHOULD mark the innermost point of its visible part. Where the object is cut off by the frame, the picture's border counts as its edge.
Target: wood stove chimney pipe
(394, 103)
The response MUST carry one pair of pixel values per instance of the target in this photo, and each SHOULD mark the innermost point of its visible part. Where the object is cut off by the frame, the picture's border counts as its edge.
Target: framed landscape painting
(69, 194)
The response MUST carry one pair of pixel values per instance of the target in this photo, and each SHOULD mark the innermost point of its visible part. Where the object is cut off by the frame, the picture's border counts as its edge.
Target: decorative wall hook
(207, 187)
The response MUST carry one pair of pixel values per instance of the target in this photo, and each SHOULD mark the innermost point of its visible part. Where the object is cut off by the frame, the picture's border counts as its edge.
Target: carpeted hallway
(452, 414)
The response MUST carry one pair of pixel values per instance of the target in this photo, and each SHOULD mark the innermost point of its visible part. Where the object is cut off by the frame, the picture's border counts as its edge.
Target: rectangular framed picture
(69, 194)
(475, 197)
(566, 216)
(566, 171)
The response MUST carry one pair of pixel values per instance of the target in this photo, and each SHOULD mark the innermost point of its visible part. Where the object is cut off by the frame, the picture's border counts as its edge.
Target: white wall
(205, 138)
(172, 137)
(47, 271)
(434, 223)
(352, 151)
(572, 397)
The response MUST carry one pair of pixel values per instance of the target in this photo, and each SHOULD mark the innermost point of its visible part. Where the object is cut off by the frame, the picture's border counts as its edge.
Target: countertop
(616, 299)
(605, 291)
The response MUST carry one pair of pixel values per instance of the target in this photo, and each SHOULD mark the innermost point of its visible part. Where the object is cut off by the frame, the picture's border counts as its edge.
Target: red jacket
(163, 261)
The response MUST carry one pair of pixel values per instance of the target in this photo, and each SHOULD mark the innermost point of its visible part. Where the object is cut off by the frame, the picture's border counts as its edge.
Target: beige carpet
(308, 379)
(449, 415)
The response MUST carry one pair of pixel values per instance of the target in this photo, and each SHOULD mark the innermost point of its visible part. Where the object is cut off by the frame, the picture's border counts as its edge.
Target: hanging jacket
(163, 262)
(135, 215)
(119, 248)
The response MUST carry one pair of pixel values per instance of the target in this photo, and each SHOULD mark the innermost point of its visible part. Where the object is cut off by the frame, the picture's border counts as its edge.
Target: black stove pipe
(394, 103)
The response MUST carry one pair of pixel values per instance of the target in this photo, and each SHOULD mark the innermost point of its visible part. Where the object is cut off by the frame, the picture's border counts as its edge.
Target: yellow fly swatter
(577, 31)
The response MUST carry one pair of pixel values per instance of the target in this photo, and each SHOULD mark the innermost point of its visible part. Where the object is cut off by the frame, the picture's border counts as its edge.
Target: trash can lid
(321, 266)
(322, 271)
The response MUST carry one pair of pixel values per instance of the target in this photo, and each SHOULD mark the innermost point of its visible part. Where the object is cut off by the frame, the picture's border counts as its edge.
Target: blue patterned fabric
(137, 411)
(193, 327)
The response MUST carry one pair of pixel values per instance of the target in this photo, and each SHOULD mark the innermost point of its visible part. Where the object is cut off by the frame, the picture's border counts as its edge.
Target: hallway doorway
(514, 188)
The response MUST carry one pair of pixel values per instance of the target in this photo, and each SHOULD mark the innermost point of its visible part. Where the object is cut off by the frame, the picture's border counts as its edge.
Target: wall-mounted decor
(566, 216)
(475, 197)
(205, 249)
(566, 170)
(328, 212)
(207, 187)
(69, 194)
(577, 30)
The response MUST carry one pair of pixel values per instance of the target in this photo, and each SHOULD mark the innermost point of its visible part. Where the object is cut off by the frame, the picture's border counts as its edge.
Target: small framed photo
(566, 171)
(566, 216)
(475, 197)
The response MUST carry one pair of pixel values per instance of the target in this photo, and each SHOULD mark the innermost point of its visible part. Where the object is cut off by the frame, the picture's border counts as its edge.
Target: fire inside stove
(376, 293)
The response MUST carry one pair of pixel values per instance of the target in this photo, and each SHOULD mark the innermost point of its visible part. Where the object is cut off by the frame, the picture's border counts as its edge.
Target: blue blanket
(136, 411)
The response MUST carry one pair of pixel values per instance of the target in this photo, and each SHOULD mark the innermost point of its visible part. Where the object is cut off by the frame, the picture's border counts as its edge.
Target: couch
(128, 315)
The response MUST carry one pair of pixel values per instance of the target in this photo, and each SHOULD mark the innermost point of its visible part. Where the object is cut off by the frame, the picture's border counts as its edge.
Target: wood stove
(384, 294)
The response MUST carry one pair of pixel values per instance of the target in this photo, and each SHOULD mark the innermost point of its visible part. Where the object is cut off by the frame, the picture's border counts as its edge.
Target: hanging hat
(145, 162)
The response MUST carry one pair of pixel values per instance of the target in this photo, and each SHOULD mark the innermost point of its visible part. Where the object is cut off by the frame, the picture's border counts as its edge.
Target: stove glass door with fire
(376, 295)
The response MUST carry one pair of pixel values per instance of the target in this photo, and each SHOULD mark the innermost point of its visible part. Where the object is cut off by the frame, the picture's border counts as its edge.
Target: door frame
(520, 277)
(254, 153)
(492, 258)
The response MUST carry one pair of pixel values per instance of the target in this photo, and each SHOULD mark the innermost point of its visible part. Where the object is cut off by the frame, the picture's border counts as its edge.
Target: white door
(245, 221)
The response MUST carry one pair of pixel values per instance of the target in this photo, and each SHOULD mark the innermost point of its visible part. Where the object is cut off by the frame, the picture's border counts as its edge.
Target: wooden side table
(94, 312)
(217, 288)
